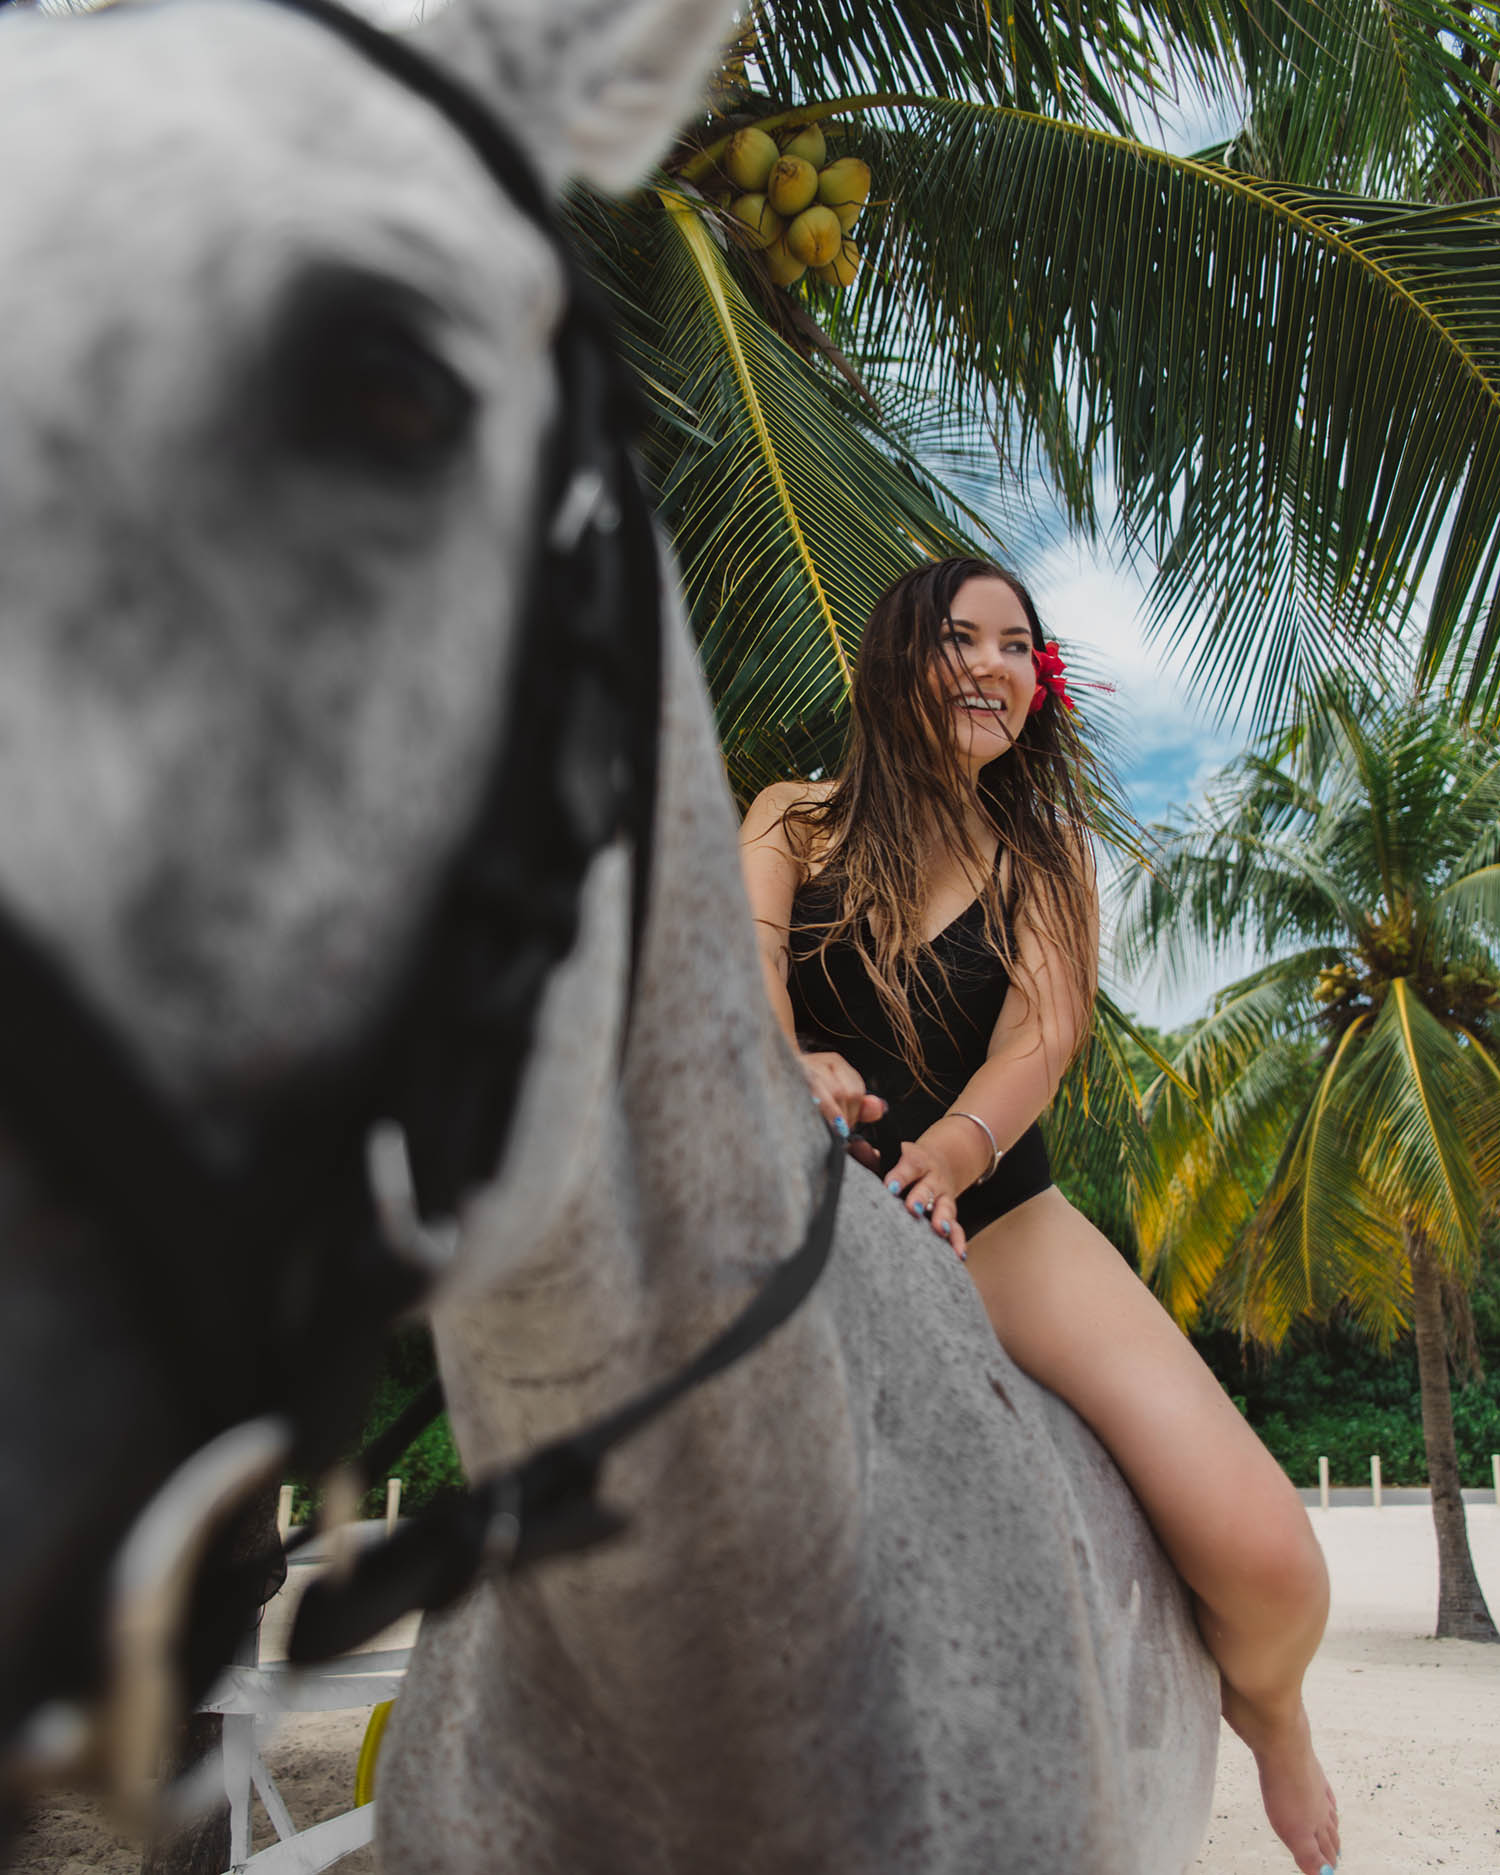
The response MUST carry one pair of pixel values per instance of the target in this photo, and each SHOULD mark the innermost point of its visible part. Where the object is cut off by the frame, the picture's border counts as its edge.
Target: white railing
(252, 1697)
(1377, 1485)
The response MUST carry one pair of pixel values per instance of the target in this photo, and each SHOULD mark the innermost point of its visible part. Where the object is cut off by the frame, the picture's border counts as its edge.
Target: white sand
(1408, 1729)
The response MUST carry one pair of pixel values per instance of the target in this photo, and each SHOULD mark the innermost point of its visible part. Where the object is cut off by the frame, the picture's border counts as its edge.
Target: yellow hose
(369, 1751)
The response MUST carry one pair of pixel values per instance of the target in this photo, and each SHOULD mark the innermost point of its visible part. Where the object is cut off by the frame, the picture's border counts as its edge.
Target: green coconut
(841, 270)
(844, 187)
(810, 144)
(761, 222)
(815, 235)
(748, 157)
(791, 186)
(784, 266)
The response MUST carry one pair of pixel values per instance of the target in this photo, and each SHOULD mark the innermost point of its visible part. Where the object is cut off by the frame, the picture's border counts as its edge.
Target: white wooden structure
(251, 1699)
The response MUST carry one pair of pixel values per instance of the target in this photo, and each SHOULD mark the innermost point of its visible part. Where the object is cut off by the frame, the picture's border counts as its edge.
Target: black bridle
(266, 1271)
(279, 1191)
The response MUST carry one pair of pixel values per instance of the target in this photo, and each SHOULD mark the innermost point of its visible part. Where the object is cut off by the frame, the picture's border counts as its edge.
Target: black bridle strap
(448, 95)
(547, 1504)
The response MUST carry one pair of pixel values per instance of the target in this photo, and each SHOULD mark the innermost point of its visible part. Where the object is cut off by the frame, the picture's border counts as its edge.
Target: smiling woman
(928, 930)
(893, 900)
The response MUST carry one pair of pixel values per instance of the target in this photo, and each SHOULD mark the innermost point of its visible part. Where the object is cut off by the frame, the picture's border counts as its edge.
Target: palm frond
(1295, 1258)
(1416, 1095)
(1268, 1285)
(1214, 881)
(1382, 812)
(1096, 1161)
(1296, 391)
(1320, 1237)
(1214, 1121)
(1084, 59)
(789, 512)
(1484, 1124)
(1212, 1155)
(1473, 900)
(1377, 97)
(1095, 1125)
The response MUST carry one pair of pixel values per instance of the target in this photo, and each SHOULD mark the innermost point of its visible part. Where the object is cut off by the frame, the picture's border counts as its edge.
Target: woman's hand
(838, 1092)
(931, 1173)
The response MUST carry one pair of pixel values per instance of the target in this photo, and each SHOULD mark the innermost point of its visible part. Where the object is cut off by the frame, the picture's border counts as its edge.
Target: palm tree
(1284, 352)
(1284, 359)
(1333, 1138)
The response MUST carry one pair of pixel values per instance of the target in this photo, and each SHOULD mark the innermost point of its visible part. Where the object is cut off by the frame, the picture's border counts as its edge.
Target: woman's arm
(1041, 1023)
(773, 871)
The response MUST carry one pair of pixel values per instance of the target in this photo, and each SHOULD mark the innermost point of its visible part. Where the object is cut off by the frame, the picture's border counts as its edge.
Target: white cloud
(1167, 747)
(1165, 750)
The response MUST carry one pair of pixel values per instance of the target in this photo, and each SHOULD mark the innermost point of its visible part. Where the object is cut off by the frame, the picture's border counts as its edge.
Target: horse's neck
(701, 1159)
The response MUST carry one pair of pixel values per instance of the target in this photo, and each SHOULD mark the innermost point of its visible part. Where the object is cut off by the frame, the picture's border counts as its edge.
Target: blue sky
(1169, 749)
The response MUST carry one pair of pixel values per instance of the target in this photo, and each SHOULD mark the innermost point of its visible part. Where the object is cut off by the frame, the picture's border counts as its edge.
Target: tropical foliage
(1333, 1141)
(1330, 1392)
(1281, 354)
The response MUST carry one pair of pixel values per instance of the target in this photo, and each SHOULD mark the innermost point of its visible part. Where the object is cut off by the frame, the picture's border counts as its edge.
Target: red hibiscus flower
(1049, 678)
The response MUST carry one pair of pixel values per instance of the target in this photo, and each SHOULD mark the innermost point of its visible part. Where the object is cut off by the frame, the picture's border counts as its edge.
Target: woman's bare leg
(1073, 1314)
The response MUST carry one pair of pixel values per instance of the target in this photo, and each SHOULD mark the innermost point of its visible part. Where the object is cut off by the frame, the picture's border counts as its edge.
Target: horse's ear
(594, 88)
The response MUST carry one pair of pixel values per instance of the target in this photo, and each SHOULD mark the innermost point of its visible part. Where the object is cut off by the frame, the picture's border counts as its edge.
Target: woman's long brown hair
(902, 786)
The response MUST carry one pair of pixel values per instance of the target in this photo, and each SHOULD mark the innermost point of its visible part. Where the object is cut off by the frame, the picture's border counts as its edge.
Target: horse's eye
(364, 388)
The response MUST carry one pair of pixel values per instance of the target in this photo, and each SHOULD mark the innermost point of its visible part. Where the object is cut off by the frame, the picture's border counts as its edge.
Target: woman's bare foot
(1298, 1798)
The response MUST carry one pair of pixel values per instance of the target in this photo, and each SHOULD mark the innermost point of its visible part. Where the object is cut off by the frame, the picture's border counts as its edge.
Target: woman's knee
(1275, 1560)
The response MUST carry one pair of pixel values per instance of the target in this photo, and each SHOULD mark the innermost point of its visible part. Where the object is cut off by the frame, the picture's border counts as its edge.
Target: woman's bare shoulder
(785, 794)
(768, 811)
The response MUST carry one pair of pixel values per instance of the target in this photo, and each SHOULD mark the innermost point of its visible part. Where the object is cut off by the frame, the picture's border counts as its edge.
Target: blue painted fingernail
(894, 1187)
(841, 1126)
(946, 1229)
(1327, 1869)
(963, 1256)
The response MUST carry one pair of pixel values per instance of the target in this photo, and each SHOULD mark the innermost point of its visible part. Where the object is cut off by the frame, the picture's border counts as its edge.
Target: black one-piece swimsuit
(836, 1008)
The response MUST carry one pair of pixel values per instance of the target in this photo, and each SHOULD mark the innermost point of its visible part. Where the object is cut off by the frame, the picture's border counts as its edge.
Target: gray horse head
(272, 484)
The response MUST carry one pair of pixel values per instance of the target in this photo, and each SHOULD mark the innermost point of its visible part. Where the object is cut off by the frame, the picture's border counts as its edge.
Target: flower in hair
(1049, 678)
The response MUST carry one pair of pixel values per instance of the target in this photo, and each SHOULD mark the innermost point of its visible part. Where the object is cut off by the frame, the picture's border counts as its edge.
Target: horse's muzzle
(104, 1511)
(116, 1738)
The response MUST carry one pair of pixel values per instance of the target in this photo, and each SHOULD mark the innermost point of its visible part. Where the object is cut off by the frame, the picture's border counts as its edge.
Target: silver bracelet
(994, 1164)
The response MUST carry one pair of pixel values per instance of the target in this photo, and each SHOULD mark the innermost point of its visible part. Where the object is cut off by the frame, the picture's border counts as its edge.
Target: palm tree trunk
(1462, 1611)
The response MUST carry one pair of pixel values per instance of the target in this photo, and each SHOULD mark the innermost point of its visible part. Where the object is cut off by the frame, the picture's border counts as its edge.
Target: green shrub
(429, 1467)
(1327, 1393)
(1347, 1442)
(1330, 1393)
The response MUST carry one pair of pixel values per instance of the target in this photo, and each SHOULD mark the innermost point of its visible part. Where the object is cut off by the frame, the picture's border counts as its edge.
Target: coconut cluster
(796, 206)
